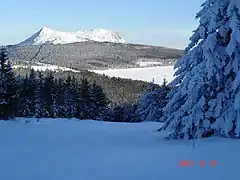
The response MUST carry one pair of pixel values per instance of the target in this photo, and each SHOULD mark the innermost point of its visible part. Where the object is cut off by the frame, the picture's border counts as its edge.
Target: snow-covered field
(60, 149)
(45, 67)
(146, 64)
(144, 74)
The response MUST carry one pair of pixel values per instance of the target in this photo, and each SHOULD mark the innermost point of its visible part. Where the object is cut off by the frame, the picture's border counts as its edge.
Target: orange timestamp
(189, 163)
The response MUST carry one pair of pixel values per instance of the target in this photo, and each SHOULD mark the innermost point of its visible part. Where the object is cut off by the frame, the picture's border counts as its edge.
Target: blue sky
(159, 22)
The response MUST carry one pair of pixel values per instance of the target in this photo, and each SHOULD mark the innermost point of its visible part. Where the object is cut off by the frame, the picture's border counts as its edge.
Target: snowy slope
(55, 149)
(46, 35)
(144, 74)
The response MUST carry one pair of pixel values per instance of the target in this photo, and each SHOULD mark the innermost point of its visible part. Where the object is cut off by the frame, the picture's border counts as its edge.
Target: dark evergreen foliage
(125, 113)
(118, 90)
(152, 102)
(46, 96)
(99, 101)
(8, 88)
(35, 95)
(49, 97)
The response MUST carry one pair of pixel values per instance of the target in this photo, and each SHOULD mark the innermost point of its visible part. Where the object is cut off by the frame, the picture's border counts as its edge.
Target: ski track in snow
(61, 149)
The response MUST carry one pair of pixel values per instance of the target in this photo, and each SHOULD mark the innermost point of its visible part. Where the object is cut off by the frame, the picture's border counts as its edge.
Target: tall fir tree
(8, 88)
(39, 102)
(60, 97)
(69, 98)
(31, 93)
(152, 102)
(49, 93)
(98, 101)
(85, 105)
(207, 92)
(27, 94)
(25, 107)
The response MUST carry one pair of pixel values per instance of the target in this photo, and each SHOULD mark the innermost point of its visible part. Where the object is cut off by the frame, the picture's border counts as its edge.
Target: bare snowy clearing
(45, 67)
(61, 149)
(144, 74)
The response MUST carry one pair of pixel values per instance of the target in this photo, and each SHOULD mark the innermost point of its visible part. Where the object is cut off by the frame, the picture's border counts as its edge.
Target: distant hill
(93, 55)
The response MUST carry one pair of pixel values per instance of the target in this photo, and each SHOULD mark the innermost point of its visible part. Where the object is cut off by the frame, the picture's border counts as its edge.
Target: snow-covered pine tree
(206, 93)
(55, 109)
(11, 85)
(67, 109)
(70, 97)
(124, 113)
(60, 98)
(99, 101)
(84, 100)
(8, 87)
(31, 92)
(38, 104)
(152, 101)
(48, 92)
(118, 112)
(19, 80)
(130, 113)
(24, 108)
(26, 93)
(108, 114)
(39, 109)
(76, 98)
(3, 93)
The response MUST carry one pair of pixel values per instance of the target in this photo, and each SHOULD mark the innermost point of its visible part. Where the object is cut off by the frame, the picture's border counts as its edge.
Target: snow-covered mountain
(46, 35)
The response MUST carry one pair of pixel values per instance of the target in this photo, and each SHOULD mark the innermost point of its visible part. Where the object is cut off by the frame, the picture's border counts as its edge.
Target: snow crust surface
(61, 149)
